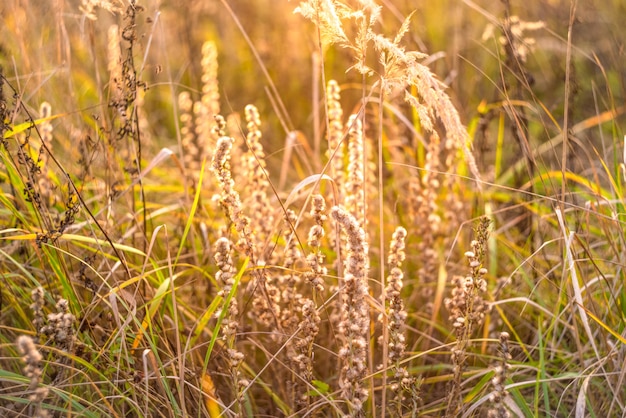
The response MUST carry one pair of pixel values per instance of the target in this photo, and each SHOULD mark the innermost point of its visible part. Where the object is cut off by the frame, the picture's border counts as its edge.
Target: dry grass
(185, 233)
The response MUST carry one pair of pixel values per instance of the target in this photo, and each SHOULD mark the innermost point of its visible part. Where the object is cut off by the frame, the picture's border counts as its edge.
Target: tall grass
(275, 209)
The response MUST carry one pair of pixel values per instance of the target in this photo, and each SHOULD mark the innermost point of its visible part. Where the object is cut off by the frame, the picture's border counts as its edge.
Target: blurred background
(48, 49)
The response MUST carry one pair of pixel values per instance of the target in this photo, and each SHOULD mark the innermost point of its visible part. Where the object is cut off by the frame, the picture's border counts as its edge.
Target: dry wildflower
(292, 252)
(266, 301)
(254, 168)
(453, 206)
(234, 358)
(302, 357)
(264, 294)
(32, 358)
(355, 183)
(219, 129)
(401, 382)
(210, 84)
(37, 306)
(33, 170)
(187, 136)
(226, 277)
(267, 296)
(354, 324)
(32, 156)
(288, 282)
(424, 190)
(32, 370)
(299, 350)
(72, 207)
(233, 129)
(467, 309)
(315, 260)
(60, 326)
(498, 408)
(229, 197)
(125, 83)
(208, 107)
(309, 327)
(335, 133)
(395, 308)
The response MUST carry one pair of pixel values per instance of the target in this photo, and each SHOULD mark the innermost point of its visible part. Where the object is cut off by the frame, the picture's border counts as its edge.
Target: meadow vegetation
(312, 208)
